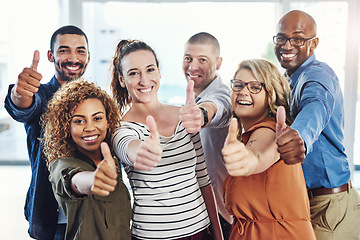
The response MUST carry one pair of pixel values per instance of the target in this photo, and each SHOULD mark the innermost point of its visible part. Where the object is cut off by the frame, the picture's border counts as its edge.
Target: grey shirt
(213, 138)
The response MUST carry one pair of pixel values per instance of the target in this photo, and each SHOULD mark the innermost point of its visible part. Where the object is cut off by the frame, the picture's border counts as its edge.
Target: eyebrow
(64, 46)
(100, 112)
(132, 69)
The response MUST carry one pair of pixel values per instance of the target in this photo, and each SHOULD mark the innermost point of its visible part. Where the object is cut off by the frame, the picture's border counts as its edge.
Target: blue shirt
(41, 208)
(318, 108)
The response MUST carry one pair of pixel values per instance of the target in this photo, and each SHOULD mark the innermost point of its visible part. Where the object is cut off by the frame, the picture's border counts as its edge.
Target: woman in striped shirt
(173, 197)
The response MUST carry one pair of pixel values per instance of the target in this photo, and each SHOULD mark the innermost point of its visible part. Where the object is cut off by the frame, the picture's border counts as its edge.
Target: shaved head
(298, 17)
(300, 26)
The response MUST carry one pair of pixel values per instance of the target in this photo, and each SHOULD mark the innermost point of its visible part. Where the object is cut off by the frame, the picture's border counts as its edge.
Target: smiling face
(200, 64)
(70, 57)
(88, 127)
(141, 76)
(295, 24)
(250, 108)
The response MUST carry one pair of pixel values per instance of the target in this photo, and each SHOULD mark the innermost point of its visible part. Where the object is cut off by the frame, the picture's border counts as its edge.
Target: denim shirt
(318, 108)
(41, 208)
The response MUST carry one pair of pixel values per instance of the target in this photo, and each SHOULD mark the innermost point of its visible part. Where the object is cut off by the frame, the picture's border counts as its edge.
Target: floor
(14, 181)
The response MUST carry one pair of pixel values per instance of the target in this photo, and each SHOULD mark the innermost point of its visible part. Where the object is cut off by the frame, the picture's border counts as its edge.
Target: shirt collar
(211, 87)
(297, 73)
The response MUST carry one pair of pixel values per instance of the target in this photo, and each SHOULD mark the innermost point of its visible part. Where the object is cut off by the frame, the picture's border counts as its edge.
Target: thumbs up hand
(105, 174)
(239, 160)
(290, 144)
(102, 181)
(27, 84)
(190, 114)
(149, 151)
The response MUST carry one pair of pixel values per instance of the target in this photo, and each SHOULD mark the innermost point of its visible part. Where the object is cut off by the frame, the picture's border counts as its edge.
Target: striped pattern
(167, 200)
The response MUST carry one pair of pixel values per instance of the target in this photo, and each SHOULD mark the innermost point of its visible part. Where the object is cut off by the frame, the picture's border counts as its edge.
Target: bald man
(317, 130)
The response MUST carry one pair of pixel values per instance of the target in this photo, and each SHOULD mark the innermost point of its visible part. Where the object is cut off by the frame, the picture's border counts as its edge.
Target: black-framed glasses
(294, 41)
(253, 86)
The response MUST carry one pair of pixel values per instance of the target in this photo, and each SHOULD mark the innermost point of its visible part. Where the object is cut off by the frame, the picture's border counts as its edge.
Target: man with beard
(26, 101)
(318, 130)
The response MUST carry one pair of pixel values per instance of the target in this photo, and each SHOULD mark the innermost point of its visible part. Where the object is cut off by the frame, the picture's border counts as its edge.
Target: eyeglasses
(296, 42)
(253, 86)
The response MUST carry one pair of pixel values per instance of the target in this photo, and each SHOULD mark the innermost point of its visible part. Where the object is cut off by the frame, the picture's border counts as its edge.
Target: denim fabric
(41, 208)
(318, 108)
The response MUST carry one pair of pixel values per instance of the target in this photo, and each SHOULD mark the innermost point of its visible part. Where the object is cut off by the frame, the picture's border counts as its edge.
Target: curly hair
(123, 48)
(276, 85)
(57, 141)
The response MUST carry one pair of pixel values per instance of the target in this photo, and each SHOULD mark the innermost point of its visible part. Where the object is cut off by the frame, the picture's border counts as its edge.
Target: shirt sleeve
(222, 101)
(200, 169)
(317, 104)
(120, 141)
(24, 115)
(61, 173)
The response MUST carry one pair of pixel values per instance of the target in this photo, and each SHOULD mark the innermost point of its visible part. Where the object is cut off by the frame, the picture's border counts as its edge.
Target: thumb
(35, 61)
(105, 150)
(154, 134)
(280, 121)
(232, 133)
(190, 93)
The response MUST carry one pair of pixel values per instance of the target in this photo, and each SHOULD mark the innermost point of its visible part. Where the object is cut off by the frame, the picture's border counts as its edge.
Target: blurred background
(243, 28)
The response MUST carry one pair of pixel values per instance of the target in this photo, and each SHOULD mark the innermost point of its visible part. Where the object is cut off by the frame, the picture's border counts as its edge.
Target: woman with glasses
(266, 197)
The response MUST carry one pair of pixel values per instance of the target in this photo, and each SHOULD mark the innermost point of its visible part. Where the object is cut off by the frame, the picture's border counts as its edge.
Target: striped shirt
(167, 200)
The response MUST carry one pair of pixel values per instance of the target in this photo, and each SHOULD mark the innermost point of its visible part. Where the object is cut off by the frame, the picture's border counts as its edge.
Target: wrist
(206, 116)
(15, 94)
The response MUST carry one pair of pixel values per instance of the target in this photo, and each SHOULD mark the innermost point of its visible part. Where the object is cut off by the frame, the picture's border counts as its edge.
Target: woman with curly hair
(86, 180)
(267, 198)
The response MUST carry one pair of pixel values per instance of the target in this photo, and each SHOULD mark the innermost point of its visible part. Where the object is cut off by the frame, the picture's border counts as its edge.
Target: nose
(244, 91)
(194, 65)
(144, 80)
(89, 126)
(72, 57)
(287, 45)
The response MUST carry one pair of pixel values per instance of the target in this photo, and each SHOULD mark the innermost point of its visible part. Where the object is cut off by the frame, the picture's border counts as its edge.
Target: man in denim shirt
(317, 130)
(26, 101)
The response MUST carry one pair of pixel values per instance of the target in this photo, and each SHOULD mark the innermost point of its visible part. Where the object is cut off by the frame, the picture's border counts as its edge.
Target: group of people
(262, 160)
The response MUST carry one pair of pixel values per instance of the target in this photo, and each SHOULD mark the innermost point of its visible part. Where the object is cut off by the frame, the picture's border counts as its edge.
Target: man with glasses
(210, 112)
(317, 130)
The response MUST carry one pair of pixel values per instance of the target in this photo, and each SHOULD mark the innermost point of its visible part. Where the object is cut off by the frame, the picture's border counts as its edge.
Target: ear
(88, 56)
(50, 56)
(218, 62)
(121, 81)
(314, 44)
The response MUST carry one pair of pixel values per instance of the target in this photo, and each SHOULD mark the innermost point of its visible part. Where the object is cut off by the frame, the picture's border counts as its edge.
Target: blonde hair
(276, 85)
(57, 141)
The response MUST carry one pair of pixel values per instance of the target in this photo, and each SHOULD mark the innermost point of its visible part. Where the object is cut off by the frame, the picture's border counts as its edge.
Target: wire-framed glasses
(294, 41)
(253, 86)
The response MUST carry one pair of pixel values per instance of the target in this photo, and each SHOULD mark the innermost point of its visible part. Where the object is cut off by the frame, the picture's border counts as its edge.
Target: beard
(69, 77)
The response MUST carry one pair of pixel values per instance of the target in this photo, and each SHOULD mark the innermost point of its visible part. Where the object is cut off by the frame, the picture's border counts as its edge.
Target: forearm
(132, 150)
(266, 158)
(210, 202)
(82, 182)
(211, 110)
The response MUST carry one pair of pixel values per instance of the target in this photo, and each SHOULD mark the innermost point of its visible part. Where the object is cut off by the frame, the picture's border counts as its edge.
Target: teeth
(90, 138)
(145, 90)
(194, 76)
(244, 102)
(72, 68)
(288, 55)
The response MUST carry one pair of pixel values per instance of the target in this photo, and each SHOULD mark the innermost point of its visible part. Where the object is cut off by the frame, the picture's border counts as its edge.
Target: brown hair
(123, 48)
(57, 140)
